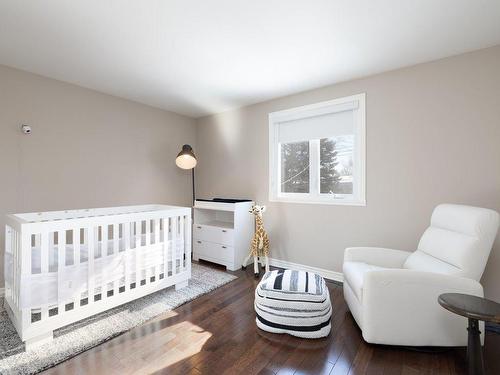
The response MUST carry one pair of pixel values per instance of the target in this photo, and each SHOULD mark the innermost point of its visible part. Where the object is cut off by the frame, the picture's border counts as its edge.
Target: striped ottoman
(293, 302)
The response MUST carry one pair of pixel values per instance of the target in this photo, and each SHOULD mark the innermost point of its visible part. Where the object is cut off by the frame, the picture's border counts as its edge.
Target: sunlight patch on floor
(174, 343)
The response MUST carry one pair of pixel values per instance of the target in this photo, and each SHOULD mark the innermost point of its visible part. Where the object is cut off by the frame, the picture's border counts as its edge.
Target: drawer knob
(224, 230)
(198, 227)
(198, 241)
(224, 247)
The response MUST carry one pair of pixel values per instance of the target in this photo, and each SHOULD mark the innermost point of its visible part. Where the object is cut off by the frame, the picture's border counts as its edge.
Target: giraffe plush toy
(259, 248)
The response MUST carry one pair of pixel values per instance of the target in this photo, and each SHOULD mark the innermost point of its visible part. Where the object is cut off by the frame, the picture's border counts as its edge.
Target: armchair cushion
(420, 261)
(376, 256)
(458, 241)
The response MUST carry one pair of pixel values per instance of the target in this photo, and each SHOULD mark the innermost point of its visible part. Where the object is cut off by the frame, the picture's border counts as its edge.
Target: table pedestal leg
(474, 350)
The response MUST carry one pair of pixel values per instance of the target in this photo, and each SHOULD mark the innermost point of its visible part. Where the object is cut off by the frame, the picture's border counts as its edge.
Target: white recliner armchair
(392, 294)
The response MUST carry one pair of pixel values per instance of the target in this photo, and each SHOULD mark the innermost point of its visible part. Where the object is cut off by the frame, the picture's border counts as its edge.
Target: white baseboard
(2, 292)
(327, 274)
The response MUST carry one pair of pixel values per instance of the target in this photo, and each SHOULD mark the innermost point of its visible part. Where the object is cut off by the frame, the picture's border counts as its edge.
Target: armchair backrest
(458, 241)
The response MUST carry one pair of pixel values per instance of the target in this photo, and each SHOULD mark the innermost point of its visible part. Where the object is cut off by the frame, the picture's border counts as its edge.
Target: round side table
(475, 309)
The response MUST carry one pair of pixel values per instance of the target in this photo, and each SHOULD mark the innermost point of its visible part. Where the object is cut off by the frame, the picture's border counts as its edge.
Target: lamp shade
(186, 159)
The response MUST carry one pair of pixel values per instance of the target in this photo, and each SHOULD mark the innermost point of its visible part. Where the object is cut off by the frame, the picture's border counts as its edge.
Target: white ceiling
(200, 57)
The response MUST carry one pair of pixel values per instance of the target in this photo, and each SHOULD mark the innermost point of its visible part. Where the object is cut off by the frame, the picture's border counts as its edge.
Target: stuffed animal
(259, 248)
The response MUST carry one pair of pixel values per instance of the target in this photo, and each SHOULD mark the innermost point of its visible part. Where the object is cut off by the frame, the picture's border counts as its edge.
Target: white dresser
(222, 232)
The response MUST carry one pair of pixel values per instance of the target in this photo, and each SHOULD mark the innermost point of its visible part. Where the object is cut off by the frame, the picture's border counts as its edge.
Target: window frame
(358, 198)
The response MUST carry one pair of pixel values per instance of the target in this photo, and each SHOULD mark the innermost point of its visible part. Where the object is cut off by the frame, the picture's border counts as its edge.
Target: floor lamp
(186, 160)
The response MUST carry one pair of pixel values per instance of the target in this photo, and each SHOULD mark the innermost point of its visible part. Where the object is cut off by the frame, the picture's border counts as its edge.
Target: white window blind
(317, 127)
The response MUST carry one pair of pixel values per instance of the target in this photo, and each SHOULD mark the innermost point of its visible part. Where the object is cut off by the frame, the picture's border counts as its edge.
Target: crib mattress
(108, 269)
(98, 252)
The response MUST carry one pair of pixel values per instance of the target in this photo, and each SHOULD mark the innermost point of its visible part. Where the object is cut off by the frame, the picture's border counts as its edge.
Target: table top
(471, 306)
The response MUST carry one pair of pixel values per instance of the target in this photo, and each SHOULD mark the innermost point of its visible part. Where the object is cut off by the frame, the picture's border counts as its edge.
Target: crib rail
(69, 265)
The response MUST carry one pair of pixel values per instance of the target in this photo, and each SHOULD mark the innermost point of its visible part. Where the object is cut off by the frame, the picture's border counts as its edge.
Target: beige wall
(87, 149)
(433, 135)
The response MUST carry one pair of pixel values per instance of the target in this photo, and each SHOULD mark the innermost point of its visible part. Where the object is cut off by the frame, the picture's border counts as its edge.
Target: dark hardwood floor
(216, 334)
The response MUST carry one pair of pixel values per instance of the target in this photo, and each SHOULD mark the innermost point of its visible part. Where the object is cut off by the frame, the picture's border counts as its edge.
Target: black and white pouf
(293, 302)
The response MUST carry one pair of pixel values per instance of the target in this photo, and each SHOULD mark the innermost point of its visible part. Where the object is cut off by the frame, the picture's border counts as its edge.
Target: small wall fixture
(26, 129)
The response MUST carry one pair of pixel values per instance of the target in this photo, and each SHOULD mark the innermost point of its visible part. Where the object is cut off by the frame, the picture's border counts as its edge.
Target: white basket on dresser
(222, 232)
(64, 266)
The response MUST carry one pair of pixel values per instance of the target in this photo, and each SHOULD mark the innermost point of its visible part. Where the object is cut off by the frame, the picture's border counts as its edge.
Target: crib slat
(116, 239)
(126, 246)
(52, 253)
(61, 263)
(116, 250)
(181, 235)
(147, 270)
(104, 240)
(90, 240)
(9, 248)
(156, 232)
(138, 232)
(103, 254)
(165, 246)
(148, 232)
(17, 256)
(44, 265)
(44, 252)
(18, 248)
(76, 260)
(76, 246)
(173, 247)
(187, 243)
(22, 258)
(11, 290)
(11, 242)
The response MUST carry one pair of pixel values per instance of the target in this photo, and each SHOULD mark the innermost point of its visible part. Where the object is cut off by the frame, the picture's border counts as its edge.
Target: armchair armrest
(404, 303)
(377, 256)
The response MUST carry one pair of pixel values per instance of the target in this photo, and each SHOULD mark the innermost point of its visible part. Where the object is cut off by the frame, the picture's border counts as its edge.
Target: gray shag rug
(78, 337)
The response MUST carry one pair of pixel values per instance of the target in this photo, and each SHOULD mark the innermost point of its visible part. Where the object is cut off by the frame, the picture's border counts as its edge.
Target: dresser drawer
(211, 233)
(213, 251)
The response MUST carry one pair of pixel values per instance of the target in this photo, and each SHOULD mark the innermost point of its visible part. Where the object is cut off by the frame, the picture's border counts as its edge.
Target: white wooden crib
(64, 266)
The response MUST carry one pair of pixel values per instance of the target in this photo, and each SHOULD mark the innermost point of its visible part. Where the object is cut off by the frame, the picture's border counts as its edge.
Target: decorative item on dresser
(222, 231)
(64, 266)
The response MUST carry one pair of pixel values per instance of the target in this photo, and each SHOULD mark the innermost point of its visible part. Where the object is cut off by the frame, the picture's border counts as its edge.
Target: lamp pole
(192, 174)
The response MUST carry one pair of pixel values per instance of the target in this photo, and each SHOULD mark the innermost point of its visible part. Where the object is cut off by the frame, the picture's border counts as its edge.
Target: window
(317, 153)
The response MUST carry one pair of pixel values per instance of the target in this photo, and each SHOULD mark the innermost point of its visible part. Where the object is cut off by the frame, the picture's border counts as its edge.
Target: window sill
(338, 202)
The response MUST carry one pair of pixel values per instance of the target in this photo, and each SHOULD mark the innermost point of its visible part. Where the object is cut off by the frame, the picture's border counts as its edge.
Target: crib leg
(267, 264)
(181, 285)
(39, 340)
